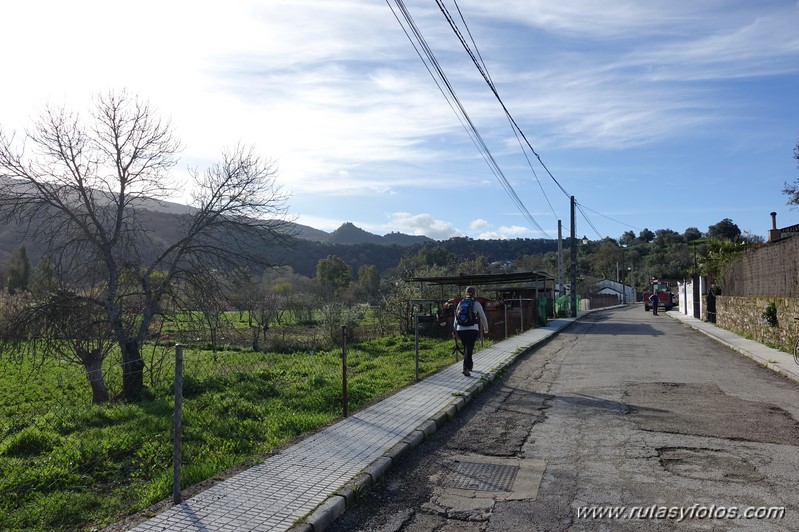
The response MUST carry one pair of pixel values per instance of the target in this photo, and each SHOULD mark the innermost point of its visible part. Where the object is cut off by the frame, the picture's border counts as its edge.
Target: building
(625, 293)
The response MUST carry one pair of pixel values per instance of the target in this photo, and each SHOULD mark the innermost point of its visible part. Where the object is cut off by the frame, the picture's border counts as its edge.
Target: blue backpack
(464, 314)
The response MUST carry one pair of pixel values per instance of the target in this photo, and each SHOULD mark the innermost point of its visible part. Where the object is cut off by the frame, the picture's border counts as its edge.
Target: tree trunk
(132, 371)
(93, 365)
(94, 373)
(258, 329)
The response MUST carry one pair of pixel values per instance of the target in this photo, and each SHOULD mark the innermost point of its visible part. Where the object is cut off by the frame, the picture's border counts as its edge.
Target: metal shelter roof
(487, 278)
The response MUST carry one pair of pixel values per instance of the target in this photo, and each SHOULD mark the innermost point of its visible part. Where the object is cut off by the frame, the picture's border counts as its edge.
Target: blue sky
(653, 114)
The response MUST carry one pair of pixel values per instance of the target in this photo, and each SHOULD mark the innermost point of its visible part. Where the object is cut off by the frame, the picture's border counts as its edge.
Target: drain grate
(482, 477)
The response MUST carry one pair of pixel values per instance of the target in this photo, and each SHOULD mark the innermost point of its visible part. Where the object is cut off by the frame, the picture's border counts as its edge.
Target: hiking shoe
(466, 372)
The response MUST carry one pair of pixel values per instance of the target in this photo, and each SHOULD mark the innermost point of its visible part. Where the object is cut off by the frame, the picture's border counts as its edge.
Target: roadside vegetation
(68, 464)
(88, 329)
(262, 366)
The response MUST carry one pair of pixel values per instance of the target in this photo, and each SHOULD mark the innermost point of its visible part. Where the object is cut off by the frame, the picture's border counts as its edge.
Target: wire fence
(66, 463)
(69, 464)
(243, 393)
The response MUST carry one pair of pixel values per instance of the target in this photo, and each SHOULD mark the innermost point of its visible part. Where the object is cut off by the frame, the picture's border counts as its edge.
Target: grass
(66, 464)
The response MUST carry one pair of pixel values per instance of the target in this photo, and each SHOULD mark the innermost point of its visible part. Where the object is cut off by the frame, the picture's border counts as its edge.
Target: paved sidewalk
(773, 359)
(310, 484)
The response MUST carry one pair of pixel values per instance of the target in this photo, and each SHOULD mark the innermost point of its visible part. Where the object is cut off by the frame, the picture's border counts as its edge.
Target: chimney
(774, 233)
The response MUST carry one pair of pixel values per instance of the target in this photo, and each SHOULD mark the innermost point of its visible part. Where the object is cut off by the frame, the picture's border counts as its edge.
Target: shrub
(770, 315)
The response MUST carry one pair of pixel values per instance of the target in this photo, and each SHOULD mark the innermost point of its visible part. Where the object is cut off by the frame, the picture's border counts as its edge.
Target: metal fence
(69, 464)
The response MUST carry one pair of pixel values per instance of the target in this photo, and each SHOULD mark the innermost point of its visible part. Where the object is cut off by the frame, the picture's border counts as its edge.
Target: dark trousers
(468, 338)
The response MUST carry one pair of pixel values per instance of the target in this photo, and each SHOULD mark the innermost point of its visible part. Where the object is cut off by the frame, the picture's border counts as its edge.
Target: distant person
(469, 316)
(654, 300)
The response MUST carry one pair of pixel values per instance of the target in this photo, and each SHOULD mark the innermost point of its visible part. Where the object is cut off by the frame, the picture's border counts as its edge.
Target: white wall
(686, 296)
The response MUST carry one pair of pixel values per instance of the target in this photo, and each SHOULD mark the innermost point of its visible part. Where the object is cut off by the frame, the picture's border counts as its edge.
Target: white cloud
(515, 230)
(422, 224)
(507, 232)
(477, 225)
(336, 95)
(581, 18)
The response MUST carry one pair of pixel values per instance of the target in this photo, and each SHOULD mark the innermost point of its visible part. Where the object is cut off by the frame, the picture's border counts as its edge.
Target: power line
(478, 61)
(609, 218)
(432, 64)
(434, 68)
(488, 76)
(580, 208)
(490, 83)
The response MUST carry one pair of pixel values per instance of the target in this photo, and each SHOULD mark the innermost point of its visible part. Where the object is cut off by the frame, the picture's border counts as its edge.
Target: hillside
(349, 234)
(309, 233)
(356, 246)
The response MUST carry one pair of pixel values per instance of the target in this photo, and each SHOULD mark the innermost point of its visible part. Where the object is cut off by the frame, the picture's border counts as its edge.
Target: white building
(625, 293)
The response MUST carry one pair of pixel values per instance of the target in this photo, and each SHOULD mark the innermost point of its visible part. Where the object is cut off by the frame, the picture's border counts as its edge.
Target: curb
(345, 497)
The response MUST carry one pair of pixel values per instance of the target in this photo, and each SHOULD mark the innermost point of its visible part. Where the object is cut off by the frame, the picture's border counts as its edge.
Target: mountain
(403, 240)
(309, 233)
(168, 207)
(356, 246)
(349, 234)
(161, 219)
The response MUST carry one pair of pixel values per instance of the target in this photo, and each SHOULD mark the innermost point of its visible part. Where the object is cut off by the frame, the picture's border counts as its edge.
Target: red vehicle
(666, 298)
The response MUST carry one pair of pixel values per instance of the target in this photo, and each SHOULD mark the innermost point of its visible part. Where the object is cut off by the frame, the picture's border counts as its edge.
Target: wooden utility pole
(573, 250)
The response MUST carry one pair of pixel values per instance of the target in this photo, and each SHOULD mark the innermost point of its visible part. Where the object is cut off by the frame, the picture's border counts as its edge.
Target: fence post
(177, 428)
(344, 398)
(505, 309)
(416, 341)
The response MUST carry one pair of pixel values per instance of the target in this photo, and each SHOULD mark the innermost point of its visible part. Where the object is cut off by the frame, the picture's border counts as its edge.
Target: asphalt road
(621, 412)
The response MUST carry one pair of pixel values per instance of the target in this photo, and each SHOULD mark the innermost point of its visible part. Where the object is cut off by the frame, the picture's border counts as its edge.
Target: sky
(656, 114)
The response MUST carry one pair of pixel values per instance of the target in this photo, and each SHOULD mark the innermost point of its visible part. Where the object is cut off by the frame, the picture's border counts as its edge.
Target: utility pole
(561, 279)
(573, 264)
(624, 273)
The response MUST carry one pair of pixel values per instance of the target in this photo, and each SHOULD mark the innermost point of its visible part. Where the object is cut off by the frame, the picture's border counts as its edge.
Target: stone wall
(769, 274)
(743, 315)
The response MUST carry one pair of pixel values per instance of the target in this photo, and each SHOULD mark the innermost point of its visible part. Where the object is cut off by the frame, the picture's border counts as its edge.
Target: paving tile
(275, 494)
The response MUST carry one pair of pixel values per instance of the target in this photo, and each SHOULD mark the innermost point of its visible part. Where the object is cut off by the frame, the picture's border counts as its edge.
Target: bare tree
(65, 325)
(209, 304)
(80, 189)
(265, 310)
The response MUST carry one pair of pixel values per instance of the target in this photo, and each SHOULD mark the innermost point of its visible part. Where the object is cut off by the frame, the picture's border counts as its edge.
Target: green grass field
(66, 464)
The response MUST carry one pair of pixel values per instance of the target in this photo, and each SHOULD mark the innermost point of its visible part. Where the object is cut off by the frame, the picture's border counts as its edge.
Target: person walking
(655, 301)
(469, 318)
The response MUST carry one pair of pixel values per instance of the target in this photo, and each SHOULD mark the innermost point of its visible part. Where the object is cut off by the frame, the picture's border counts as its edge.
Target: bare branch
(79, 192)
